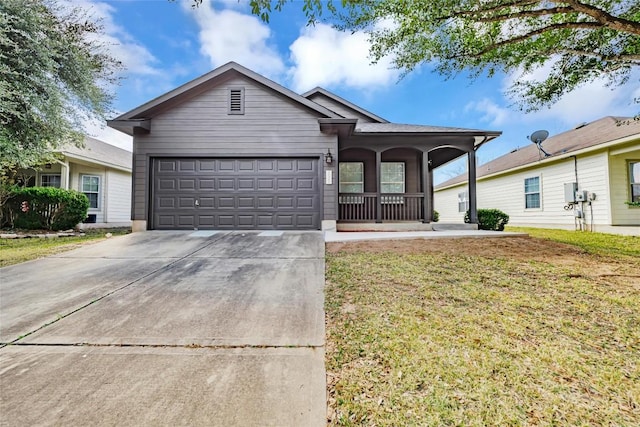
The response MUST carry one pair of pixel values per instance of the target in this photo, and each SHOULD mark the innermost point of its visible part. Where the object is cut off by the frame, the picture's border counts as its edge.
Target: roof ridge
(138, 112)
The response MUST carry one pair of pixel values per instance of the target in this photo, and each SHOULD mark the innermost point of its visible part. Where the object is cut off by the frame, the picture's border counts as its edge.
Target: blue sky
(165, 44)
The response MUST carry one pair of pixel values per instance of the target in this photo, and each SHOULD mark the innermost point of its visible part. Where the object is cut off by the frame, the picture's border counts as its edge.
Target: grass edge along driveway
(510, 331)
(15, 251)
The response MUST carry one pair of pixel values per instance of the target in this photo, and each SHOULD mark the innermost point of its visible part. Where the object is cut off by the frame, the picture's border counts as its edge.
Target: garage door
(261, 193)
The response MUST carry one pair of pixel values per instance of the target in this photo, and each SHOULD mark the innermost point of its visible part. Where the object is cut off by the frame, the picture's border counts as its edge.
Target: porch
(380, 207)
(385, 170)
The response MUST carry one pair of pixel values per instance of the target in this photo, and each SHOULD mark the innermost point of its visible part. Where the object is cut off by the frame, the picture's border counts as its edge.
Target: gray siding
(271, 125)
(339, 108)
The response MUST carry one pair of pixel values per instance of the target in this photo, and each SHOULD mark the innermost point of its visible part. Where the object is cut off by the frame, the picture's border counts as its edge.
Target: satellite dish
(538, 136)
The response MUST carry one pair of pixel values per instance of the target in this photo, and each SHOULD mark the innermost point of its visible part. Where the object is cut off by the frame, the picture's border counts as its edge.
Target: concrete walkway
(167, 328)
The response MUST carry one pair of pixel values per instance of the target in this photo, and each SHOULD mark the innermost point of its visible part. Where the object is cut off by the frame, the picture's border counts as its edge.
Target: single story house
(235, 150)
(101, 171)
(579, 179)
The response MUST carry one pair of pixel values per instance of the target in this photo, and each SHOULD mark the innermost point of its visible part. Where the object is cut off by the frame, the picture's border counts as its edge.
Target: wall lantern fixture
(328, 158)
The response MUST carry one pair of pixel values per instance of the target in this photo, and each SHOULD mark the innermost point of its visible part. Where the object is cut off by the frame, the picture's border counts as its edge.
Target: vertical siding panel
(119, 196)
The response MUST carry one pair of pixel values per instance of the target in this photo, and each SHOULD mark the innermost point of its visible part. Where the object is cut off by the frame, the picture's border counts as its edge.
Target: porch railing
(363, 207)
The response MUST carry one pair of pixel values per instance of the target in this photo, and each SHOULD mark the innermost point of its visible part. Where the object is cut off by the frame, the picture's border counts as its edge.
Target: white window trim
(464, 199)
(524, 198)
(82, 176)
(42, 175)
(350, 199)
(397, 200)
(629, 183)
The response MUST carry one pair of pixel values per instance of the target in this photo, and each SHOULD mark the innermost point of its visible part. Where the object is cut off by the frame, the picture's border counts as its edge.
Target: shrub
(47, 208)
(490, 219)
(436, 216)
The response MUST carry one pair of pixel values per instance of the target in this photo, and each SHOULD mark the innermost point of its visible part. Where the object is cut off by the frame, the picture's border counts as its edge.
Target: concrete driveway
(167, 328)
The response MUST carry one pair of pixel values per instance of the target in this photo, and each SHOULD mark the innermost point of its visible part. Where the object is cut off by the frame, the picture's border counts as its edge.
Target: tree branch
(608, 20)
(496, 8)
(578, 52)
(525, 14)
(514, 40)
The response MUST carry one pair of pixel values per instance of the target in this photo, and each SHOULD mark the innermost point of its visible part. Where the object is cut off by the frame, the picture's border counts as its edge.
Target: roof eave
(130, 127)
(86, 159)
(343, 101)
(548, 160)
(341, 127)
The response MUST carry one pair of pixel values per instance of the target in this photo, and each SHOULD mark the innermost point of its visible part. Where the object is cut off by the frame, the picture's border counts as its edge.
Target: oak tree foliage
(576, 41)
(54, 75)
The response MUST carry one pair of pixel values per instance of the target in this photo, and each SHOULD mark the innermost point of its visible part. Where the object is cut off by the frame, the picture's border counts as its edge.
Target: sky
(163, 44)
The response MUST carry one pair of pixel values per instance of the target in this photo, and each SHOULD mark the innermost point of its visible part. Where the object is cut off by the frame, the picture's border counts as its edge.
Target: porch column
(378, 186)
(473, 206)
(427, 189)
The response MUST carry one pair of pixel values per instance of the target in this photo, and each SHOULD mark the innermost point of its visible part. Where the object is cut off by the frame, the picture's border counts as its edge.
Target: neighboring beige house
(99, 170)
(599, 160)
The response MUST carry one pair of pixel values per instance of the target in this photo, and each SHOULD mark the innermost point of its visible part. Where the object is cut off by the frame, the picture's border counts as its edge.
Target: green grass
(458, 339)
(15, 251)
(596, 243)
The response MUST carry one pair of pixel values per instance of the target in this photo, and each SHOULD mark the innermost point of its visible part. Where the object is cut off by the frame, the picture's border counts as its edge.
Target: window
(634, 181)
(351, 180)
(351, 177)
(463, 201)
(50, 180)
(392, 177)
(236, 100)
(392, 181)
(532, 193)
(90, 186)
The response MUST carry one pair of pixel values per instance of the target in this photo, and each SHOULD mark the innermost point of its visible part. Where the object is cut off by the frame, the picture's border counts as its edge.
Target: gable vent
(236, 101)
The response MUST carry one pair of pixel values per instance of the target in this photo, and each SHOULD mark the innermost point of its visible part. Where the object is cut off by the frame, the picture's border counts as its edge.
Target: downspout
(65, 166)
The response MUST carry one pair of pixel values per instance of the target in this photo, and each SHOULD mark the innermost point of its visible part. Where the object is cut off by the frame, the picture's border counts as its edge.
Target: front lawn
(14, 251)
(475, 332)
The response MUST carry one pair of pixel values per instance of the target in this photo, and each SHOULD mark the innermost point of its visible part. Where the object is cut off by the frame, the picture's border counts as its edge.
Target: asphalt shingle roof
(592, 134)
(100, 152)
(402, 128)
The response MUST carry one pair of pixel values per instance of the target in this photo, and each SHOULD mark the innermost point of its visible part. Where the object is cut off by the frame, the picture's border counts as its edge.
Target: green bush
(436, 216)
(47, 208)
(490, 219)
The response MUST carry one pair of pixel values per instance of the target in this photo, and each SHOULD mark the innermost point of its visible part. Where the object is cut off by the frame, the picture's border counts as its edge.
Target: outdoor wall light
(328, 157)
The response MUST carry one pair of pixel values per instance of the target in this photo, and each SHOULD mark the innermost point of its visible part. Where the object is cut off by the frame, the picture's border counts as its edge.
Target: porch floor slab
(384, 226)
(337, 236)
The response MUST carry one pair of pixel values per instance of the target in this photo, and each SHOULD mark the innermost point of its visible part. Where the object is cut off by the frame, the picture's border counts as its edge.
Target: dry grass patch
(475, 332)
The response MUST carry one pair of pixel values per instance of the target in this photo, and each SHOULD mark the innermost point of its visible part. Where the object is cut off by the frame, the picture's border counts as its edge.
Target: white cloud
(324, 56)
(490, 112)
(590, 101)
(99, 130)
(228, 35)
(120, 44)
(586, 103)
